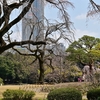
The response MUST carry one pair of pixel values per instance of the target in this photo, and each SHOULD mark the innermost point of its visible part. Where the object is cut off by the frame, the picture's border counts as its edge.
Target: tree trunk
(91, 78)
(41, 76)
(2, 42)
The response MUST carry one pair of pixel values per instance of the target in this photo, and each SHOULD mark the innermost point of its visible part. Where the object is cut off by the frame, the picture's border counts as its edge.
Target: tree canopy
(84, 50)
(16, 68)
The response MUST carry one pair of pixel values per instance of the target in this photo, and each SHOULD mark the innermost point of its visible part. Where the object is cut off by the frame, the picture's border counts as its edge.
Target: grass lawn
(37, 88)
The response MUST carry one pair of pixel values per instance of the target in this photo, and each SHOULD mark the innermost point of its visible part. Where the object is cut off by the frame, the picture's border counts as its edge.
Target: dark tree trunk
(2, 42)
(41, 68)
(41, 76)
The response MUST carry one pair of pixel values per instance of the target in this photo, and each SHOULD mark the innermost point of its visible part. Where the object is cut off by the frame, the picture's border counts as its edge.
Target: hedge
(64, 94)
(93, 94)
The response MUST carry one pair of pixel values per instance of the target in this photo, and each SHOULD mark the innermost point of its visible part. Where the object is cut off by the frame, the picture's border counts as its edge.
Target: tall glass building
(31, 28)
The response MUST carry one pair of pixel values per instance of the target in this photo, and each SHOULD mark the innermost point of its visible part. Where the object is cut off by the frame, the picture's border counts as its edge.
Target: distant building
(31, 19)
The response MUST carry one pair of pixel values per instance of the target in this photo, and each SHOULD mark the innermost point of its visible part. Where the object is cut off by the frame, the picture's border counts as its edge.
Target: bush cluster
(93, 94)
(65, 94)
(18, 95)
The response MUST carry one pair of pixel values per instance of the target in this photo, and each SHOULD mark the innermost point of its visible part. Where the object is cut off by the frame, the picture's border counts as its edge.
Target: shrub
(65, 94)
(93, 94)
(18, 95)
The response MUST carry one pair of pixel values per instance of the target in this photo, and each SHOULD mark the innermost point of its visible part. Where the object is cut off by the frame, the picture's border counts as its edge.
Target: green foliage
(18, 95)
(93, 94)
(84, 50)
(6, 68)
(74, 71)
(11, 70)
(23, 70)
(65, 94)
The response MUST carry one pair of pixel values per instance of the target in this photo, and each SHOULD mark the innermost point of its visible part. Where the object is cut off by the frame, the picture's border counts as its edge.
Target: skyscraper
(31, 26)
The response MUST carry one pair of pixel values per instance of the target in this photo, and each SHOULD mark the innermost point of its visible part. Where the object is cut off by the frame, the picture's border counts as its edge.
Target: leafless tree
(5, 24)
(6, 8)
(53, 33)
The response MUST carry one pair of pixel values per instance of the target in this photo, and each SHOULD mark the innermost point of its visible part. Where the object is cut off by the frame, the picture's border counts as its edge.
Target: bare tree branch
(95, 9)
(8, 26)
(3, 48)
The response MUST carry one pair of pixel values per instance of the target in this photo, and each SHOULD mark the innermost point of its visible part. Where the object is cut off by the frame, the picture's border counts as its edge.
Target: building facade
(32, 23)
